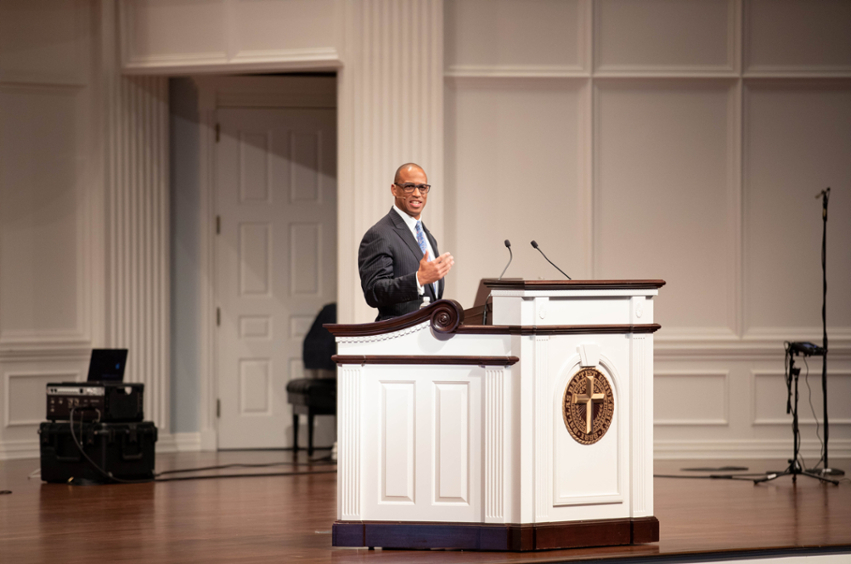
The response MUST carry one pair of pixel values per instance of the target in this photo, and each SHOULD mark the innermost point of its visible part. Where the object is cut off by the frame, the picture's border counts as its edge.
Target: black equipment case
(126, 450)
(101, 401)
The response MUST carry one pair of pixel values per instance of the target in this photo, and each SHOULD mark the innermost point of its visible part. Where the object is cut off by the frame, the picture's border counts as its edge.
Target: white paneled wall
(679, 140)
(675, 139)
(50, 267)
(83, 212)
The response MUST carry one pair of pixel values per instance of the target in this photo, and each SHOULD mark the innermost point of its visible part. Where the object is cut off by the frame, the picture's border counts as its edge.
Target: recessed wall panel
(44, 41)
(41, 258)
(797, 35)
(254, 168)
(690, 398)
(513, 172)
(452, 438)
(797, 143)
(513, 34)
(255, 383)
(305, 256)
(255, 248)
(769, 397)
(653, 35)
(158, 29)
(257, 25)
(397, 442)
(25, 395)
(664, 206)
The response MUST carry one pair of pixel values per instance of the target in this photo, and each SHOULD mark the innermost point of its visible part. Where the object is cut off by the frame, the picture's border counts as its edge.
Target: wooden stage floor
(288, 518)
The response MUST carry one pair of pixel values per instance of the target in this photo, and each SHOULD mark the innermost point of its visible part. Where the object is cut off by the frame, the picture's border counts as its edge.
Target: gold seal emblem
(588, 406)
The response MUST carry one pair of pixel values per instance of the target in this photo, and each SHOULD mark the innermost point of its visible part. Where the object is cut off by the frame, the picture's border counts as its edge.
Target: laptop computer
(107, 365)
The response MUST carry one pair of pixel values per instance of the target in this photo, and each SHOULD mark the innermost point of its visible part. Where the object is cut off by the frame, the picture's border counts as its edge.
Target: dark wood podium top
(447, 316)
(520, 284)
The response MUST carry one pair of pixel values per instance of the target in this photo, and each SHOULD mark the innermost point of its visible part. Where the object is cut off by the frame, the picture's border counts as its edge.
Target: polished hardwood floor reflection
(288, 518)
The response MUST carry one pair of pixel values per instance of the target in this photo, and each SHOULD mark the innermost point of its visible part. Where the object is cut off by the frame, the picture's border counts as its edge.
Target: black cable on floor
(242, 465)
(216, 476)
(740, 477)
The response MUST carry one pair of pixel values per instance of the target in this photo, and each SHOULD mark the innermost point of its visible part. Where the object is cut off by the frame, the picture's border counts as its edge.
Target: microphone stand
(826, 470)
(795, 468)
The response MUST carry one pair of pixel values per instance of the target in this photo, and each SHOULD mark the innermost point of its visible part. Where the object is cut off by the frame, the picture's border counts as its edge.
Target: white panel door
(276, 259)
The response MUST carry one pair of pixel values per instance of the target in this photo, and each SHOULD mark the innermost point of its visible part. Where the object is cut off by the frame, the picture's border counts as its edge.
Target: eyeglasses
(409, 188)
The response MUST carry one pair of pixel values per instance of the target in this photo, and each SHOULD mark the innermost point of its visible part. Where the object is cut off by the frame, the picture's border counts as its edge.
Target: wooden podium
(533, 431)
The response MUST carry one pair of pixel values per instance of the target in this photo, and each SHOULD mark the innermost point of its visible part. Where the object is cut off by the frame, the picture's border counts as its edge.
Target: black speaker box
(126, 450)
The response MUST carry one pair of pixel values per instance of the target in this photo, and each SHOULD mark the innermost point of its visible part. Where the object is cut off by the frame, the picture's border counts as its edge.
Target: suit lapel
(406, 235)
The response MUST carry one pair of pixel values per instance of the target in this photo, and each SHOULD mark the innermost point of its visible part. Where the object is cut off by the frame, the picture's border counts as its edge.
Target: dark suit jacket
(388, 259)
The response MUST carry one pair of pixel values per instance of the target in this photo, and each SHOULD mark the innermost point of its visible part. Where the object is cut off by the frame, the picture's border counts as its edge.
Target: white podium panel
(529, 433)
(425, 452)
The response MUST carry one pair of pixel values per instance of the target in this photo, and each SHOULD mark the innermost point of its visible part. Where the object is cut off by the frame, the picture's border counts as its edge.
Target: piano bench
(311, 397)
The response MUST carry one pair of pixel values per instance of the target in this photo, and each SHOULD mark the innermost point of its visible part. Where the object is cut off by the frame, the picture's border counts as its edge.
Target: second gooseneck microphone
(510, 258)
(535, 245)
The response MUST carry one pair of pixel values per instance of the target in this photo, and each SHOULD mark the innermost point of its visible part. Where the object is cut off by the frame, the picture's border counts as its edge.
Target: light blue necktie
(421, 240)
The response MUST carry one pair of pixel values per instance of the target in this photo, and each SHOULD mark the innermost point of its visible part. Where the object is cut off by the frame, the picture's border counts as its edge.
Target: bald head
(403, 170)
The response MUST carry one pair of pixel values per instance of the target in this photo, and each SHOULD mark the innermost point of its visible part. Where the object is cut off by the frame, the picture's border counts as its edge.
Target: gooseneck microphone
(510, 258)
(535, 245)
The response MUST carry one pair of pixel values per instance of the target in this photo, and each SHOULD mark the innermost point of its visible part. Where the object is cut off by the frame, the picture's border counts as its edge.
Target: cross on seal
(589, 398)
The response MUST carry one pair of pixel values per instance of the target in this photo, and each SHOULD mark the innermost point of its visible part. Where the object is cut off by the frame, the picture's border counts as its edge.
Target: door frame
(216, 92)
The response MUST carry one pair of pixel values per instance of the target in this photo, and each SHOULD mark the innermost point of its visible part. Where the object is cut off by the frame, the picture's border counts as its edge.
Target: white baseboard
(14, 450)
(178, 442)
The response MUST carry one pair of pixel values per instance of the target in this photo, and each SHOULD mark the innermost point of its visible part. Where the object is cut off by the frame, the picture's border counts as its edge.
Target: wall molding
(755, 346)
(280, 60)
(745, 449)
(35, 354)
(516, 71)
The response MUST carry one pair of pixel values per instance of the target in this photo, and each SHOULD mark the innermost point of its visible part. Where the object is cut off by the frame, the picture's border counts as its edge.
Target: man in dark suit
(396, 259)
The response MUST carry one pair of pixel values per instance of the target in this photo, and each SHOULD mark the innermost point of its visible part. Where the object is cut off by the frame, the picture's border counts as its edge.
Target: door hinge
(218, 316)
(218, 225)
(218, 408)
(218, 132)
